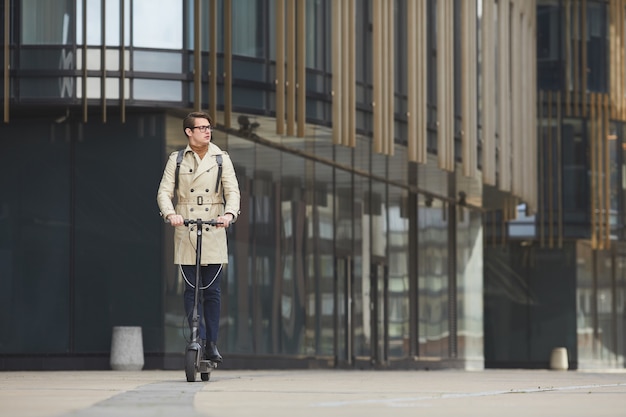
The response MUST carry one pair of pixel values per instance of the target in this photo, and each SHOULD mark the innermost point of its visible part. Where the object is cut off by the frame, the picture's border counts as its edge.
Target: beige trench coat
(197, 199)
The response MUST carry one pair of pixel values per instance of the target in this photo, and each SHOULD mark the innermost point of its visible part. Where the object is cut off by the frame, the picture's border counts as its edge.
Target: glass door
(379, 284)
(344, 329)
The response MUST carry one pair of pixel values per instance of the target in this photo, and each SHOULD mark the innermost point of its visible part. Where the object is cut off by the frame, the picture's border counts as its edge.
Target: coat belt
(198, 201)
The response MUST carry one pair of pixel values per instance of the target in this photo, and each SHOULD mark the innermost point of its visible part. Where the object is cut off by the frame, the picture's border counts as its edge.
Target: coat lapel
(207, 163)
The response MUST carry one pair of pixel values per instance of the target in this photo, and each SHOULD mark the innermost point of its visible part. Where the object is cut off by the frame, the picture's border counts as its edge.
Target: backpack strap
(218, 158)
(179, 160)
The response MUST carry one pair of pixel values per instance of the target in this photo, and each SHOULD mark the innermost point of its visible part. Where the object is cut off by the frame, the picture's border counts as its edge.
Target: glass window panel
(158, 24)
(470, 285)
(597, 46)
(94, 23)
(324, 241)
(46, 22)
(432, 278)
(398, 311)
(157, 90)
(575, 169)
(315, 34)
(149, 61)
(584, 302)
(361, 273)
(35, 238)
(548, 54)
(248, 31)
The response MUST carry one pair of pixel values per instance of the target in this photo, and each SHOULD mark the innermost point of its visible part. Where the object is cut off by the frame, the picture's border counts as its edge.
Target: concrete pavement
(317, 393)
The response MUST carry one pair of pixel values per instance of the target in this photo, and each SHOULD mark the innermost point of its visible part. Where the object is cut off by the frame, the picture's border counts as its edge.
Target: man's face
(196, 135)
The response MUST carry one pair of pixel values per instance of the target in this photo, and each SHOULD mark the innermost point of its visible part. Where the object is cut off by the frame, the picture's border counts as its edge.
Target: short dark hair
(190, 120)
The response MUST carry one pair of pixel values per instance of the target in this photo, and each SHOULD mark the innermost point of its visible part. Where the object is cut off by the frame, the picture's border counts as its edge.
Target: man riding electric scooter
(203, 179)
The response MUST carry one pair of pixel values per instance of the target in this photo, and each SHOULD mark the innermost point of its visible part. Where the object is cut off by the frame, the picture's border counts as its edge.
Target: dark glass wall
(530, 304)
(35, 237)
(79, 250)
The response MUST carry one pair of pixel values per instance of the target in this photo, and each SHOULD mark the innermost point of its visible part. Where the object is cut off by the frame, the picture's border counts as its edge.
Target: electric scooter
(194, 355)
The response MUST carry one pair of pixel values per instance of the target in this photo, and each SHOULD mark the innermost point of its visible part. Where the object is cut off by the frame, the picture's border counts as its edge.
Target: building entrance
(361, 318)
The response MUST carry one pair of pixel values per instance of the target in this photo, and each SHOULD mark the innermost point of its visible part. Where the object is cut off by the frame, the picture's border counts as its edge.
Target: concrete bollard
(558, 359)
(127, 348)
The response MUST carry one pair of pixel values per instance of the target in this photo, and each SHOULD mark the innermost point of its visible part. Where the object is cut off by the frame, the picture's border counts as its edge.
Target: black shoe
(212, 353)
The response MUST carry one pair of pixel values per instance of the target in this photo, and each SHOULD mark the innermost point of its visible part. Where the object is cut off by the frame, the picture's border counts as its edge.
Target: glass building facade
(557, 278)
(377, 182)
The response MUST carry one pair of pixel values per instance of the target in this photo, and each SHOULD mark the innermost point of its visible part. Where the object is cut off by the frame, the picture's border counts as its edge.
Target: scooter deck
(206, 366)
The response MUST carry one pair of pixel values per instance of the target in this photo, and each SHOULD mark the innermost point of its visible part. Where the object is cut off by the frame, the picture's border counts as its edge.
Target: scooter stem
(195, 323)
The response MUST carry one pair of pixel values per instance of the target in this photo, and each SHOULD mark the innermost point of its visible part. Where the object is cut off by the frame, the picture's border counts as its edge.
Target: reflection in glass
(398, 292)
(158, 24)
(150, 61)
(470, 284)
(157, 90)
(46, 23)
(433, 279)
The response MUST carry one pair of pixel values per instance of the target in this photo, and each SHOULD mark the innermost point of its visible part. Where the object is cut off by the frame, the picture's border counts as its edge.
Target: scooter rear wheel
(190, 365)
(205, 376)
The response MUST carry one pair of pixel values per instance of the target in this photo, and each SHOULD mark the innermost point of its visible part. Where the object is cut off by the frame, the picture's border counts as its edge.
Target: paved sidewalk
(317, 393)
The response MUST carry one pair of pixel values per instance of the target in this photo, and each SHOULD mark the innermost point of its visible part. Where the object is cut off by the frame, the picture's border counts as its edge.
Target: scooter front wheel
(190, 365)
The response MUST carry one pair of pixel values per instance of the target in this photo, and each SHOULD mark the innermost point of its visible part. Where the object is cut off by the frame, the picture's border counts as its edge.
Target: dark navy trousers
(208, 298)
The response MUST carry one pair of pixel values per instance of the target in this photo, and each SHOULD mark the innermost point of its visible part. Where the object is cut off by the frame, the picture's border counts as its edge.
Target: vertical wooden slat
(575, 63)
(350, 76)
(470, 102)
(103, 62)
(532, 199)
(344, 75)
(441, 84)
(336, 36)
(450, 79)
(122, 89)
(504, 96)
(7, 66)
(583, 60)
(291, 67)
(622, 62)
(612, 54)
(599, 170)
(517, 168)
(488, 95)
(593, 168)
(345, 83)
(84, 63)
(197, 57)
(228, 62)
(550, 170)
(301, 67)
(384, 103)
(445, 123)
(411, 79)
(607, 172)
(416, 81)
(377, 76)
(567, 65)
(541, 207)
(389, 78)
(422, 56)
(212, 60)
(617, 24)
(280, 65)
(559, 171)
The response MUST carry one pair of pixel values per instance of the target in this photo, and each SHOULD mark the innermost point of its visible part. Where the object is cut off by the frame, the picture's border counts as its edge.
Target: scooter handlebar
(211, 222)
(187, 222)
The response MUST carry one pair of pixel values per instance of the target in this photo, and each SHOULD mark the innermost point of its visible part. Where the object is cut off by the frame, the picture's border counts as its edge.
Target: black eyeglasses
(203, 128)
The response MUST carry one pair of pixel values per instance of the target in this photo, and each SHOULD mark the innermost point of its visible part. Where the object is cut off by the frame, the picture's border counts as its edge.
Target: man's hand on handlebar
(176, 220)
(224, 221)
